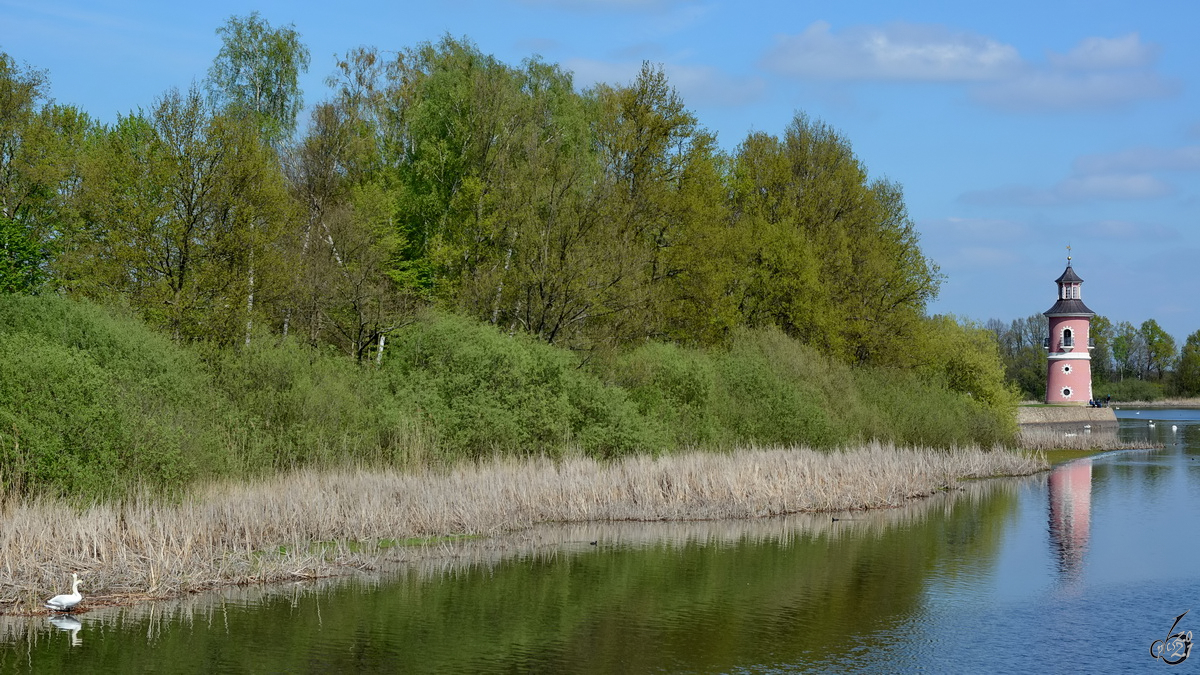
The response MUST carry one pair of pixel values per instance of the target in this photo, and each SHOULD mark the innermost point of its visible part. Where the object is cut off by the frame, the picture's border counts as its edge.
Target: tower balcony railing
(1069, 343)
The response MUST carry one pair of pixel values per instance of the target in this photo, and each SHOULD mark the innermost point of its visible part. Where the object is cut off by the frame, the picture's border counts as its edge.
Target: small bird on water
(65, 603)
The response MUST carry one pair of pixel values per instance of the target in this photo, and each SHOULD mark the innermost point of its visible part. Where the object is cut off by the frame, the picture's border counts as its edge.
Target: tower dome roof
(1067, 306)
(1069, 276)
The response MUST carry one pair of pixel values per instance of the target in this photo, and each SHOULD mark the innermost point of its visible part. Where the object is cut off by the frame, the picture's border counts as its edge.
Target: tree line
(1141, 362)
(594, 220)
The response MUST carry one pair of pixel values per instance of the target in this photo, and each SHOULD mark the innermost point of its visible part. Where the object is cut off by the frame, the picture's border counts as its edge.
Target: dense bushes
(93, 403)
(482, 391)
(1130, 390)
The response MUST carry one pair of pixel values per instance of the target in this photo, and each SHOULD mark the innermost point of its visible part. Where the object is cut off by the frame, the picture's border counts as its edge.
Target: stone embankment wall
(1066, 415)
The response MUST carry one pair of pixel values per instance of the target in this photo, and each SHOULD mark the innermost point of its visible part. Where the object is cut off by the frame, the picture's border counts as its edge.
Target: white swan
(64, 603)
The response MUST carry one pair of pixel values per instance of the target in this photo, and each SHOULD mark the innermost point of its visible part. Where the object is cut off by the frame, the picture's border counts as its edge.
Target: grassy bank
(309, 522)
(96, 406)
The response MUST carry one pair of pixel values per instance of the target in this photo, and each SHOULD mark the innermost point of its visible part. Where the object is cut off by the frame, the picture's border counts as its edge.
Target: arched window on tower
(1068, 338)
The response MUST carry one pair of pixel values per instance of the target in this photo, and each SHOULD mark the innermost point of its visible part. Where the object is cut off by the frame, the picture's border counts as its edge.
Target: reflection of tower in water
(1070, 515)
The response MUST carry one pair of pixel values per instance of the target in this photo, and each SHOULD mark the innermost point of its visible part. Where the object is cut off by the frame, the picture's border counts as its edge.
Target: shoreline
(311, 524)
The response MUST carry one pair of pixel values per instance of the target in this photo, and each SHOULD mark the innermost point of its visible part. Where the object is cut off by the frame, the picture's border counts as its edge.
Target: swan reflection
(68, 623)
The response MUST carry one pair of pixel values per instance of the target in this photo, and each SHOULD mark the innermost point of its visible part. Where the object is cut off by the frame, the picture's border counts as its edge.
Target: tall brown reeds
(1041, 439)
(311, 523)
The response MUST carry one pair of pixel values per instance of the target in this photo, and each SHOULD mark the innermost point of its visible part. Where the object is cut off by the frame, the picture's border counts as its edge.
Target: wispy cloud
(1098, 72)
(1125, 175)
(1140, 159)
(898, 51)
(1129, 230)
(977, 230)
(1064, 90)
(1097, 53)
(1075, 190)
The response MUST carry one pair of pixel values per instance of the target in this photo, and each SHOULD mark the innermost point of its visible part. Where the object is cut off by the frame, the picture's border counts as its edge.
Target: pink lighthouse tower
(1069, 364)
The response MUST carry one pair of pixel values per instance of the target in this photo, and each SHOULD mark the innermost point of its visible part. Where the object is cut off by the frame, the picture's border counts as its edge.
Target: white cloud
(1098, 72)
(1073, 90)
(1112, 187)
(1140, 160)
(1129, 230)
(1097, 53)
(898, 51)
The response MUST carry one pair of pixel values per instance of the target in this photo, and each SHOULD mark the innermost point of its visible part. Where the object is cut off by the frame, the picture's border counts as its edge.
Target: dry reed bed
(266, 530)
(1039, 439)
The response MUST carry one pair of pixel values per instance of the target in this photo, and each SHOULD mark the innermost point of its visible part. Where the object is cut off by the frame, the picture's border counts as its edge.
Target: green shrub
(1130, 390)
(93, 403)
(483, 391)
(303, 406)
(767, 395)
(674, 389)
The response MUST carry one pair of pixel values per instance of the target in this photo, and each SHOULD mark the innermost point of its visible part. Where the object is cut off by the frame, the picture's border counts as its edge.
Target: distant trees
(39, 146)
(1146, 354)
(1187, 376)
(1160, 349)
(175, 206)
(1022, 353)
(257, 73)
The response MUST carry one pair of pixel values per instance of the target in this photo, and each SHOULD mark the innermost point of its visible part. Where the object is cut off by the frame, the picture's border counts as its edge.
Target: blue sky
(1015, 128)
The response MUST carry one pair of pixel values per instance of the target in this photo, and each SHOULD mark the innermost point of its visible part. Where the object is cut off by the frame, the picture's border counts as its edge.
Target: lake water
(1077, 570)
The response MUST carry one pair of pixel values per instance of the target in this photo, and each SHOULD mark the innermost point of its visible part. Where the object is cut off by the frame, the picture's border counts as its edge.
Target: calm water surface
(1077, 570)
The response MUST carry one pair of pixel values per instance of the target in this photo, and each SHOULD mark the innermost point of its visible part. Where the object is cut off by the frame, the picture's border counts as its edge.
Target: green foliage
(1187, 375)
(257, 72)
(296, 406)
(708, 300)
(1101, 333)
(1160, 348)
(965, 357)
(180, 213)
(484, 392)
(93, 404)
(765, 398)
(767, 388)
(39, 147)
(829, 257)
(674, 388)
(1022, 354)
(1131, 389)
(21, 259)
